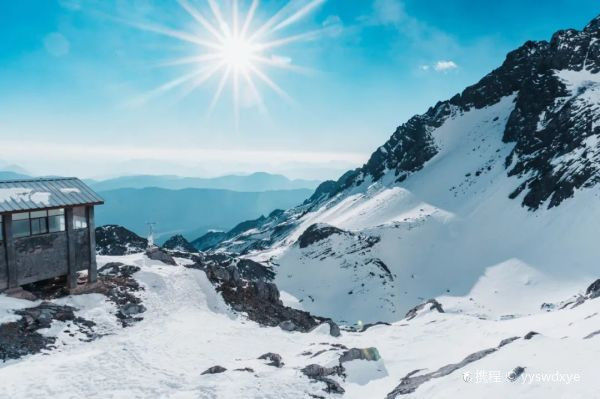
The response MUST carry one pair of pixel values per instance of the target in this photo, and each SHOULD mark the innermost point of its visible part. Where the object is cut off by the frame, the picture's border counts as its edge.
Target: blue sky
(75, 79)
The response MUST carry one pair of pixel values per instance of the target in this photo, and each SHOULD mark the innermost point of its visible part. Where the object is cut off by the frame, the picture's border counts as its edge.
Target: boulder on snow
(331, 386)
(316, 371)
(371, 354)
(430, 305)
(156, 253)
(319, 373)
(214, 370)
(130, 309)
(515, 373)
(118, 269)
(274, 358)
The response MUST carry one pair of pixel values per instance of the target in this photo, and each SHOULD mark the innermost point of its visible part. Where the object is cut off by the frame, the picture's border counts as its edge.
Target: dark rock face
(275, 359)
(507, 341)
(323, 191)
(354, 243)
(278, 224)
(317, 232)
(21, 337)
(212, 239)
(214, 370)
(593, 291)
(156, 253)
(179, 243)
(115, 240)
(209, 240)
(432, 304)
(530, 335)
(252, 293)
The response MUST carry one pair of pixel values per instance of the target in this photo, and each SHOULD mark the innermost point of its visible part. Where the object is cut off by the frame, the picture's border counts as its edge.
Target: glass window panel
(20, 216)
(38, 226)
(1, 230)
(54, 212)
(56, 223)
(21, 228)
(79, 218)
(38, 214)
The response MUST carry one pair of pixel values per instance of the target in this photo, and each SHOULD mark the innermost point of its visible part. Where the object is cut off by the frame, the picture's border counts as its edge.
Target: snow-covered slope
(187, 329)
(504, 173)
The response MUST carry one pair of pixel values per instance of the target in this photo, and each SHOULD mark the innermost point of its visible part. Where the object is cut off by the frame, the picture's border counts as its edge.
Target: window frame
(41, 221)
(17, 218)
(57, 213)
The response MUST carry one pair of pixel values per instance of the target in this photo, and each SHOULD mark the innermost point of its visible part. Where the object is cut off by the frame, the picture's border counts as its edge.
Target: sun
(238, 53)
(235, 50)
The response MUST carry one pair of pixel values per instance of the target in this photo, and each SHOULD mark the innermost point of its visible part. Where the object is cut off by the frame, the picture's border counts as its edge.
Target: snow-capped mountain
(498, 180)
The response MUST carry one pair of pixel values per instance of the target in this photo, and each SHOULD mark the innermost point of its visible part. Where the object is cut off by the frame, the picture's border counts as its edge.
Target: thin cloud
(389, 12)
(443, 66)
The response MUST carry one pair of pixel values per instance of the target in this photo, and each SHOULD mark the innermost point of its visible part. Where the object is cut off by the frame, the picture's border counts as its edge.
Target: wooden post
(72, 267)
(11, 264)
(93, 269)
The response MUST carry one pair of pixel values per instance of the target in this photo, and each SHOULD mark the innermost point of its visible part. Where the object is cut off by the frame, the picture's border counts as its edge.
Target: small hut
(46, 231)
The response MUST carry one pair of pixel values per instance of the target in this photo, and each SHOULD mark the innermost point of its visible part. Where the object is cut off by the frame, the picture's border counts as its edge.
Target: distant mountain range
(10, 175)
(191, 206)
(254, 182)
(191, 212)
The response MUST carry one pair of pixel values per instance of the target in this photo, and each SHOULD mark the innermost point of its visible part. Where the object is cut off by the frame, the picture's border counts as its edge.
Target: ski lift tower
(151, 233)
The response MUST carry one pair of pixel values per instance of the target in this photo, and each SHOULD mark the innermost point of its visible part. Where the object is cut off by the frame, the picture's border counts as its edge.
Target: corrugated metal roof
(32, 194)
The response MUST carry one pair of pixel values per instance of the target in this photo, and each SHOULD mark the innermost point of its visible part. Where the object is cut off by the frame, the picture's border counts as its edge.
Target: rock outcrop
(179, 243)
(245, 286)
(156, 253)
(116, 240)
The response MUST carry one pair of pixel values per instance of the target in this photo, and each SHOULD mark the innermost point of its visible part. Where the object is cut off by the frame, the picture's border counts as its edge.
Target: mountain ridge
(257, 181)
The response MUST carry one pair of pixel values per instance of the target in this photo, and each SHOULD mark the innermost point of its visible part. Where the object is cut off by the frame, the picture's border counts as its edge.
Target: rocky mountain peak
(179, 243)
(593, 25)
(552, 118)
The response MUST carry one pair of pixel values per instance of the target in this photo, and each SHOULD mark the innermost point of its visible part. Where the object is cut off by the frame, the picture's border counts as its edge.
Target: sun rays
(234, 49)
